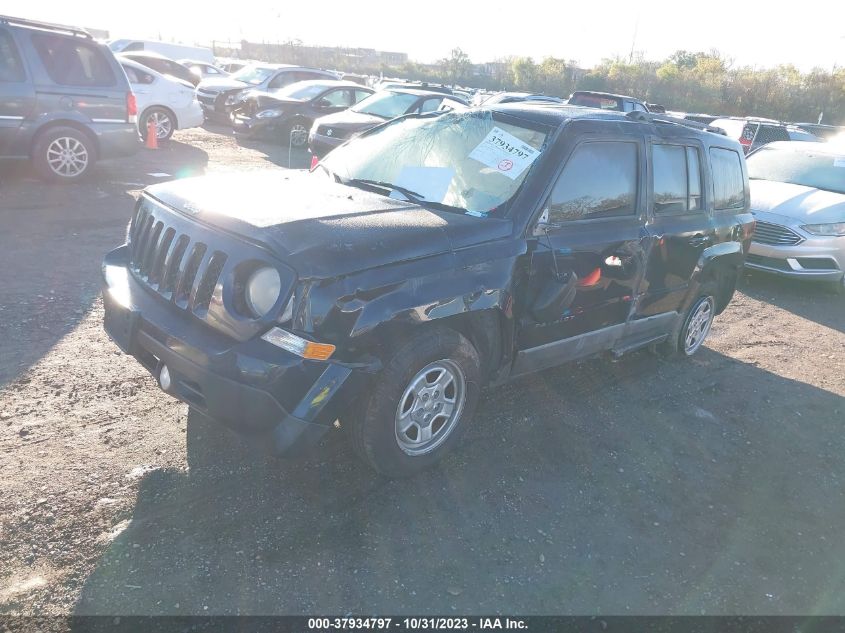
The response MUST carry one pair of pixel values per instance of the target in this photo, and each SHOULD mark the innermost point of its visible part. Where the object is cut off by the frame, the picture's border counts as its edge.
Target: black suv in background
(431, 256)
(64, 100)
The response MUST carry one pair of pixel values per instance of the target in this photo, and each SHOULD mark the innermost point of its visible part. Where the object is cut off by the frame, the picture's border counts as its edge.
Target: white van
(173, 51)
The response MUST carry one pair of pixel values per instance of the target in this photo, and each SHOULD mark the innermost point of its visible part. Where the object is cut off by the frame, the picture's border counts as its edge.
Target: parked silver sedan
(798, 199)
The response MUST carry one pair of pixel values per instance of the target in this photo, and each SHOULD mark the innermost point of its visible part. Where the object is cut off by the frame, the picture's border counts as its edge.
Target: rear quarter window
(73, 62)
(728, 181)
(11, 67)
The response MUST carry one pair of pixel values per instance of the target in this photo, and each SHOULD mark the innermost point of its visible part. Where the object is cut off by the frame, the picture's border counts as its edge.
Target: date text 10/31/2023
(416, 624)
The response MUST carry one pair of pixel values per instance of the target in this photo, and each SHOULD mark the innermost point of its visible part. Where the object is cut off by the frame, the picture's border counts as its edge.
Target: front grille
(775, 235)
(768, 262)
(182, 270)
(206, 97)
(323, 130)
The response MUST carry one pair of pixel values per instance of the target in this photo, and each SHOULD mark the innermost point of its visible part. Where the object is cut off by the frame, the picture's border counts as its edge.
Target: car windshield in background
(253, 75)
(811, 169)
(298, 92)
(386, 104)
(471, 161)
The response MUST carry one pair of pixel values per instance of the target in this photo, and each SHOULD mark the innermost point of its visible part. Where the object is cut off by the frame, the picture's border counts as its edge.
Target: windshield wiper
(412, 196)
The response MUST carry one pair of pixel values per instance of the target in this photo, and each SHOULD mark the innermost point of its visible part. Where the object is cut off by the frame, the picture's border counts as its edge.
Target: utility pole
(634, 39)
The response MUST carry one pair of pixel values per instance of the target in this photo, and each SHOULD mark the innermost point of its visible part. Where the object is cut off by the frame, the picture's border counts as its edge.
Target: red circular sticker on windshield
(505, 165)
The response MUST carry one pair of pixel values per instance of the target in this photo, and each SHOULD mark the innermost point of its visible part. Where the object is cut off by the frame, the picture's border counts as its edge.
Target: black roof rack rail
(653, 117)
(72, 30)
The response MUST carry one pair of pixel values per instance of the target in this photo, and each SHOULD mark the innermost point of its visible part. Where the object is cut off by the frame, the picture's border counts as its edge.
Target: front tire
(295, 133)
(420, 404)
(63, 154)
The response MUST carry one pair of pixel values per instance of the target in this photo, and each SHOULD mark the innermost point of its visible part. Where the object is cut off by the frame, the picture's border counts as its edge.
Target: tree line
(706, 82)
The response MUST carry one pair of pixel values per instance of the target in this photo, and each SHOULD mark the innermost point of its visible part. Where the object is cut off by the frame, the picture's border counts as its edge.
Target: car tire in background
(63, 154)
(432, 381)
(164, 119)
(295, 133)
(688, 337)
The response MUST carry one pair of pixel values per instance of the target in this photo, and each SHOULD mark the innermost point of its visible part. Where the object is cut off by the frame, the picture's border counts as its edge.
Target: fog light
(164, 378)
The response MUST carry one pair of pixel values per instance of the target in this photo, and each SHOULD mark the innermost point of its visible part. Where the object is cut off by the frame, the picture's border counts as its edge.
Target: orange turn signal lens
(318, 351)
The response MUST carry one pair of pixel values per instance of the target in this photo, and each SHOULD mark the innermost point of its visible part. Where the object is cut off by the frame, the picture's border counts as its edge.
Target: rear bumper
(116, 140)
(192, 116)
(264, 393)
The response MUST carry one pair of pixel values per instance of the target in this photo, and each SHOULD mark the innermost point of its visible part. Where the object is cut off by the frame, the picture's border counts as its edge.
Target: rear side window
(728, 184)
(676, 179)
(136, 76)
(771, 133)
(73, 62)
(11, 67)
(599, 181)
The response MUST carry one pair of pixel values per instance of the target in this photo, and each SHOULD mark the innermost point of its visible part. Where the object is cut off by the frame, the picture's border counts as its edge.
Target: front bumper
(816, 258)
(320, 145)
(264, 393)
(250, 126)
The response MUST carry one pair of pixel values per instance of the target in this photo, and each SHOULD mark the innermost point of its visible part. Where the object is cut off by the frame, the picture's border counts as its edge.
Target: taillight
(131, 107)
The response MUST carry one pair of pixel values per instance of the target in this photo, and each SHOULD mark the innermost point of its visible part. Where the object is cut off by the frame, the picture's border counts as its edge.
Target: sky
(751, 32)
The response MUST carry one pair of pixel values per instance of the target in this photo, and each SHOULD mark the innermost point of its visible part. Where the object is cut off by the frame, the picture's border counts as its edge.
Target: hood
(321, 228)
(263, 98)
(350, 121)
(806, 204)
(222, 84)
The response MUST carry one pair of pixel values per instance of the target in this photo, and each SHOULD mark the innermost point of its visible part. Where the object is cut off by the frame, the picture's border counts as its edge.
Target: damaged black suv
(431, 256)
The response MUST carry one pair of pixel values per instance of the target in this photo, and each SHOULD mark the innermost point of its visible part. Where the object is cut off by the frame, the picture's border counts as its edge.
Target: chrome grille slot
(775, 235)
(149, 252)
(171, 268)
(157, 269)
(208, 282)
(186, 278)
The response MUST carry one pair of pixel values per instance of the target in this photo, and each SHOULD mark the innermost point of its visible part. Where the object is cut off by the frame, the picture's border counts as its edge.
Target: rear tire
(689, 335)
(63, 154)
(419, 405)
(164, 120)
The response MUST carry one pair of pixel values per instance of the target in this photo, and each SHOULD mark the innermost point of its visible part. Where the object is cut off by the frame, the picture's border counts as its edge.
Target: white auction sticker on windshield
(505, 153)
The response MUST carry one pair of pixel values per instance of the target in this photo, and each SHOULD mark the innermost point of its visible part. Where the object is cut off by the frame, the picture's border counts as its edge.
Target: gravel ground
(633, 487)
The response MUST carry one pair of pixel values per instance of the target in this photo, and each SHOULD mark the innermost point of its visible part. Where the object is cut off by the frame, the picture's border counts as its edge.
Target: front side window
(599, 181)
(337, 99)
(728, 183)
(72, 62)
(676, 178)
(471, 162)
(430, 105)
(11, 67)
(360, 95)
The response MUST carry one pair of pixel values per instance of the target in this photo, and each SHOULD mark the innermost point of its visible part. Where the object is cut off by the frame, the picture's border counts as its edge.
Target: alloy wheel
(698, 325)
(67, 157)
(430, 407)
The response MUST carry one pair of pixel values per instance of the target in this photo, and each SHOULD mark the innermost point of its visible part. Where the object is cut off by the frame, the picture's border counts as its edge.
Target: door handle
(699, 239)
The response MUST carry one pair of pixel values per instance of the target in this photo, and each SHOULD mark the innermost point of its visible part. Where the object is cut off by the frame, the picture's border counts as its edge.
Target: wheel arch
(56, 123)
(160, 106)
(719, 265)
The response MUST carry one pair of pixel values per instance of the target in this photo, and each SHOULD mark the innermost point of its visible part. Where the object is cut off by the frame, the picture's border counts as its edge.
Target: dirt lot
(642, 486)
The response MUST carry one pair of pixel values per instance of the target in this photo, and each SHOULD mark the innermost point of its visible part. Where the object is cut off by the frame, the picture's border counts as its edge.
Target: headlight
(262, 290)
(233, 98)
(831, 230)
(269, 114)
